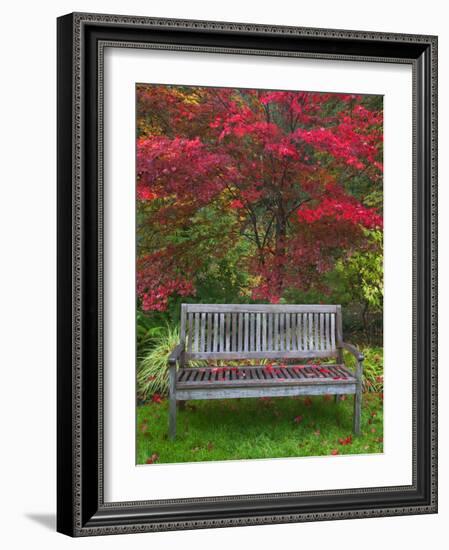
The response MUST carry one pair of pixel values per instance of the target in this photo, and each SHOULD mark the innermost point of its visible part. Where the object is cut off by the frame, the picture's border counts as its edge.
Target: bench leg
(172, 418)
(172, 403)
(357, 411)
(336, 398)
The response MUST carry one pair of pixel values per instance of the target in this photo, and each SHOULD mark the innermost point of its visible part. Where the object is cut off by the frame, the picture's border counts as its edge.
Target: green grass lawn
(235, 429)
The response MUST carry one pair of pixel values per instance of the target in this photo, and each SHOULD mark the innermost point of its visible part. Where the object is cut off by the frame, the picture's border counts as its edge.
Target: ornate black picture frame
(81, 510)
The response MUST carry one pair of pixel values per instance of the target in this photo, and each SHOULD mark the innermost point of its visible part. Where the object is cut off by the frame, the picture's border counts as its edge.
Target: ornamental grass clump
(373, 368)
(152, 371)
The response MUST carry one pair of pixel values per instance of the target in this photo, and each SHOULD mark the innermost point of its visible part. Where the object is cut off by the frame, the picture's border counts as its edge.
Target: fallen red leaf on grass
(144, 427)
(298, 419)
(156, 398)
(334, 452)
(307, 401)
(153, 458)
(345, 440)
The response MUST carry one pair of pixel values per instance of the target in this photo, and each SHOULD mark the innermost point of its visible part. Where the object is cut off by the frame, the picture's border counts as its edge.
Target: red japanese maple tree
(280, 163)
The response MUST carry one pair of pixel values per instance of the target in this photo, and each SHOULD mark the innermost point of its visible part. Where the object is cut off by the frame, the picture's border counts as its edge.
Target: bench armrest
(355, 352)
(176, 355)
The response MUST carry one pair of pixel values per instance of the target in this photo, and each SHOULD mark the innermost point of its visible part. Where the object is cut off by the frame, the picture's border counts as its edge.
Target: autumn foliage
(280, 184)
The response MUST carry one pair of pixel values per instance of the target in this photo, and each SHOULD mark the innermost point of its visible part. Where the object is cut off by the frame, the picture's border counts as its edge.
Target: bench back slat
(242, 331)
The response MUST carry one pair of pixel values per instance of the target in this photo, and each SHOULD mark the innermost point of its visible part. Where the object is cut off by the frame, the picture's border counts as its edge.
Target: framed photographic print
(246, 274)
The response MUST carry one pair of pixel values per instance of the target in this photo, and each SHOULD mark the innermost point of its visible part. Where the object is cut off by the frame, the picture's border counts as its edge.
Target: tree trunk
(280, 251)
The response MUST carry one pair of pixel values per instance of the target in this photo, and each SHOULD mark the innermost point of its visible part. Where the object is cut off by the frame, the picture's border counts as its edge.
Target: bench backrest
(242, 331)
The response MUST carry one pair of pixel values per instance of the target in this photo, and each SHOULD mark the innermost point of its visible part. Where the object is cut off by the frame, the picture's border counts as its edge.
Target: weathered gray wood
(294, 334)
(172, 402)
(240, 335)
(352, 349)
(333, 368)
(177, 355)
(182, 330)
(278, 332)
(222, 329)
(311, 344)
(231, 355)
(190, 333)
(252, 379)
(358, 396)
(357, 411)
(298, 333)
(340, 355)
(261, 308)
(264, 332)
(322, 342)
(288, 334)
(332, 332)
(280, 390)
(339, 327)
(203, 332)
(282, 331)
(209, 332)
(258, 327)
(196, 340)
(228, 331)
(216, 341)
(270, 333)
(305, 338)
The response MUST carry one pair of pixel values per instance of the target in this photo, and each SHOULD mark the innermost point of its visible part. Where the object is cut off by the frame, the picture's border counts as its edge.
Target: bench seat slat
(262, 376)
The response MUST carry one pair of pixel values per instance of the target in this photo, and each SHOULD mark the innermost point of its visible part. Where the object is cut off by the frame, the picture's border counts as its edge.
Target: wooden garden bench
(285, 333)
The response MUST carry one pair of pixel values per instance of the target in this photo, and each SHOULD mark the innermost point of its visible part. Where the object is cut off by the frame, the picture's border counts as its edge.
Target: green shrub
(145, 331)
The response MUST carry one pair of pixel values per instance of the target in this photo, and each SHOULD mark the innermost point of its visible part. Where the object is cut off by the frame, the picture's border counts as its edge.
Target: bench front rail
(287, 334)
